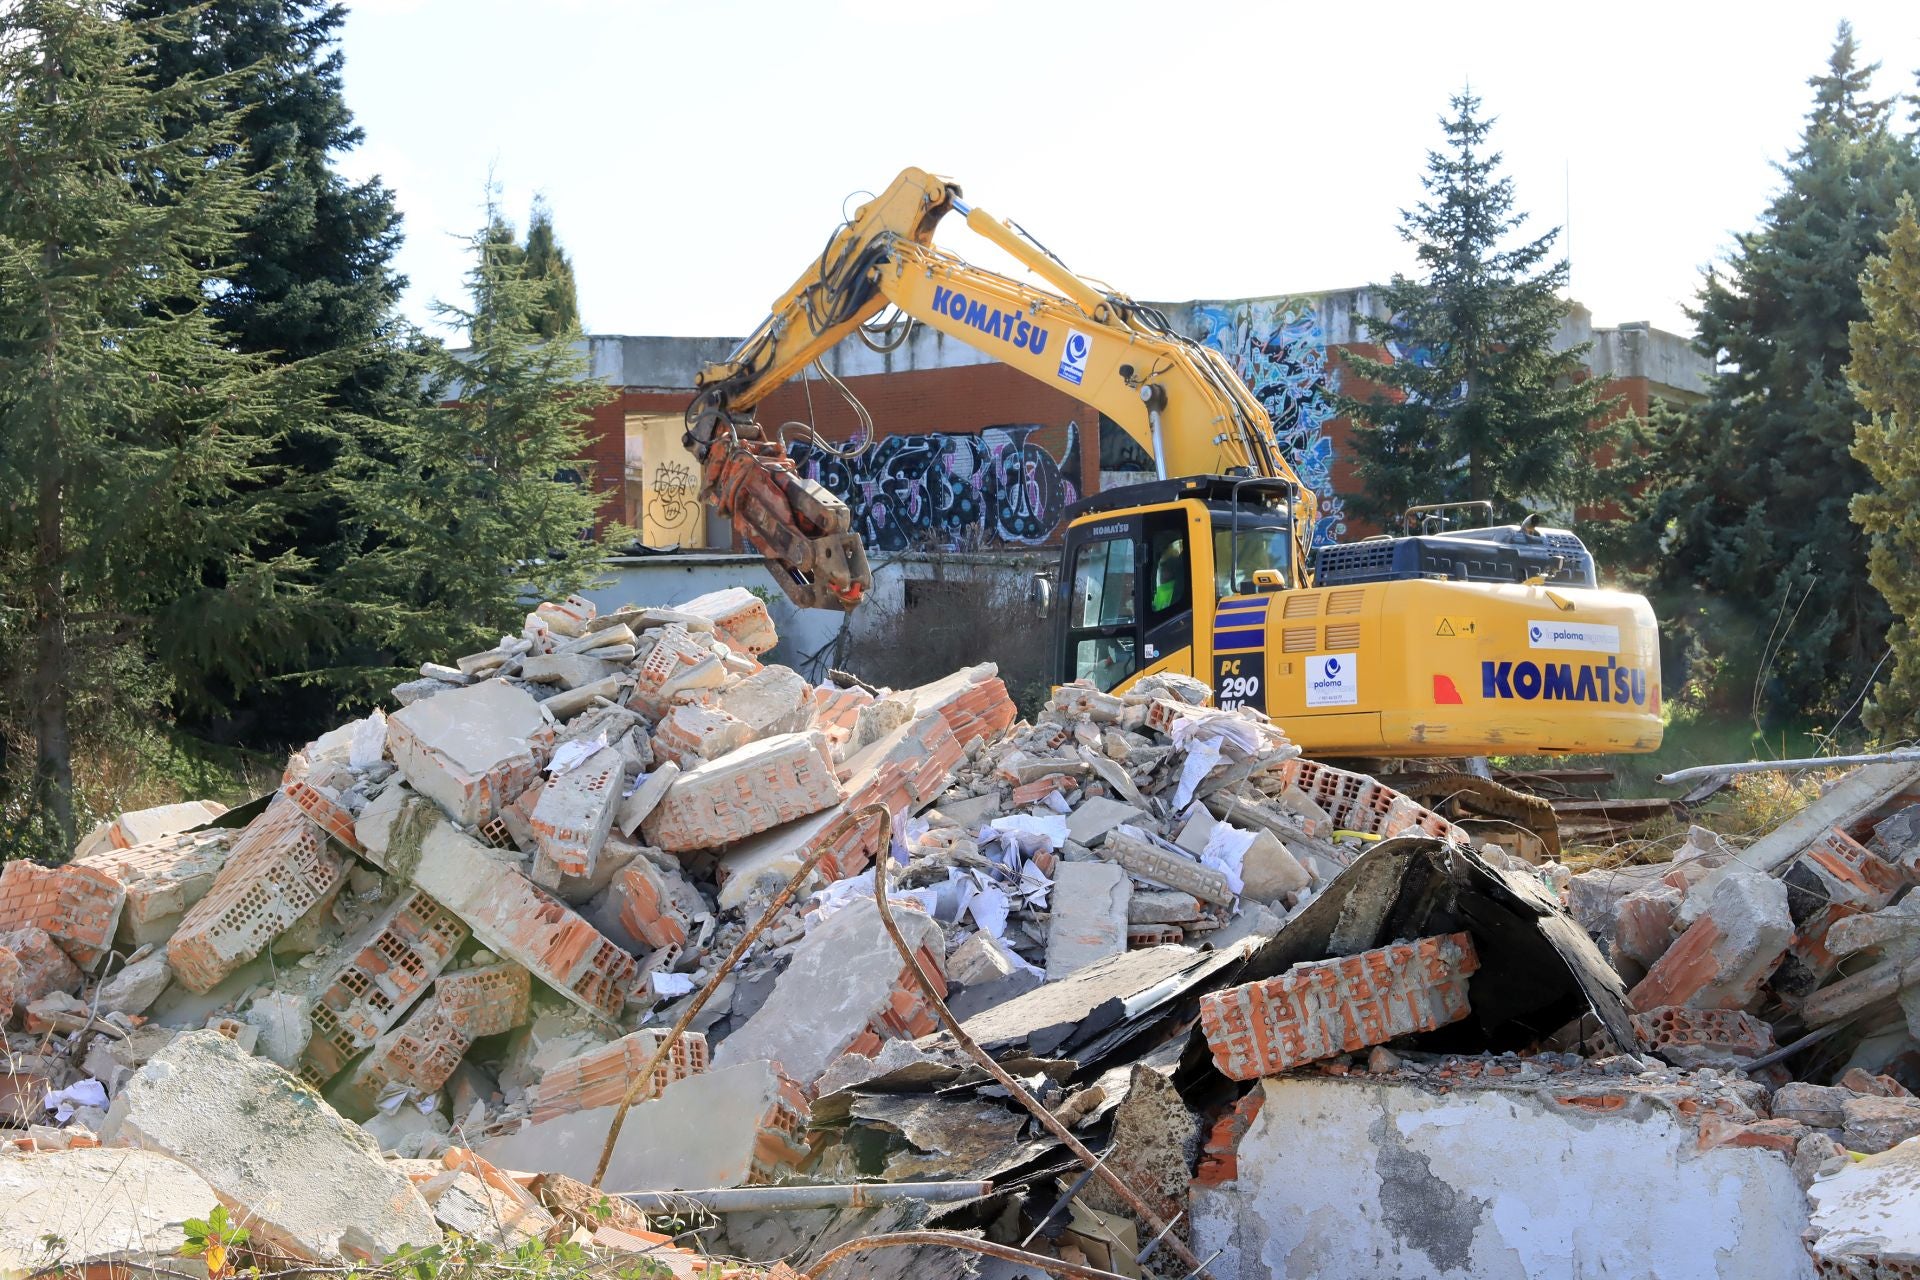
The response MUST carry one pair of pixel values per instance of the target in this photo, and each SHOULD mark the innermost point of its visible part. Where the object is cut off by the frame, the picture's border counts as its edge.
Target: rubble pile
(415, 989)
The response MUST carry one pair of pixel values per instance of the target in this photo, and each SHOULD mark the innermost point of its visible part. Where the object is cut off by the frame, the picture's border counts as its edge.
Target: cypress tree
(1753, 493)
(547, 264)
(1474, 401)
(488, 506)
(137, 483)
(1885, 376)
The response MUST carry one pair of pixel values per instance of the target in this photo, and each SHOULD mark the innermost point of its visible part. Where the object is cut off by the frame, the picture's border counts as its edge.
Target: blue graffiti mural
(951, 489)
(1279, 348)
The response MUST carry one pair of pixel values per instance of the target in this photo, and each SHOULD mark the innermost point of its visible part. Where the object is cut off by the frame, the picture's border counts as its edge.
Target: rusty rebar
(954, 1240)
(1018, 1091)
(821, 844)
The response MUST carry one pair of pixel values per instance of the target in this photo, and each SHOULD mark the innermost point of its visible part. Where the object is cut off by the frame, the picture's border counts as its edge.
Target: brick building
(967, 452)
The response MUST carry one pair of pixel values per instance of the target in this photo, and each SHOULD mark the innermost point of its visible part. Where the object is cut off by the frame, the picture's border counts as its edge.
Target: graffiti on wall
(1280, 349)
(951, 488)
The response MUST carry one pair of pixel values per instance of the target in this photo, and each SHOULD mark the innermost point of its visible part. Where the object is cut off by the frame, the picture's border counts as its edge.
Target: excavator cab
(1142, 565)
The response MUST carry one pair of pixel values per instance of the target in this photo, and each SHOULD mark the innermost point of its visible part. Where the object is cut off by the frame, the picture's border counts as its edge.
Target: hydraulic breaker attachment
(800, 527)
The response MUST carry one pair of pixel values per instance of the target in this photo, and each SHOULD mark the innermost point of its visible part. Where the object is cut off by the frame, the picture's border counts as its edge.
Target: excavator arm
(1178, 400)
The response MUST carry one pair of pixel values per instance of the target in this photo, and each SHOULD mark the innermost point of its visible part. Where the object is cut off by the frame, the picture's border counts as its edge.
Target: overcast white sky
(696, 155)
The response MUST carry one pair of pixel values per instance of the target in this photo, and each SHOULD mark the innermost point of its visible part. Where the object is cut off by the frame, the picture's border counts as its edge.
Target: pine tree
(489, 506)
(136, 488)
(1475, 402)
(1885, 376)
(1753, 500)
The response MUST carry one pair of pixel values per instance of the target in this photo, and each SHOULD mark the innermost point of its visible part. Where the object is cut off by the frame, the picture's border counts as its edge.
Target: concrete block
(1724, 956)
(758, 787)
(1268, 869)
(1876, 1124)
(571, 702)
(575, 811)
(739, 1126)
(386, 969)
(846, 991)
(280, 868)
(1327, 1007)
(1089, 920)
(485, 1000)
(303, 1179)
(1152, 863)
(738, 616)
(1163, 906)
(691, 734)
(162, 879)
(87, 1211)
(134, 989)
(600, 1077)
(511, 915)
(471, 750)
(773, 700)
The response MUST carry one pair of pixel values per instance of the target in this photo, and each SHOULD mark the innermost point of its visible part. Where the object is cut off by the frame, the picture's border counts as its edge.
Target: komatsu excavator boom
(1451, 642)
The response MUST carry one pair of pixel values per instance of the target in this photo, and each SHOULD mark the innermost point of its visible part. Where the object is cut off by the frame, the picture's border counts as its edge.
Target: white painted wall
(1352, 1177)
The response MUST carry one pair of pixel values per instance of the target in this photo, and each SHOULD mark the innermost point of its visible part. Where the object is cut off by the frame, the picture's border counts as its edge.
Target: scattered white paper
(81, 1093)
(1226, 853)
(669, 985)
(569, 756)
(1033, 833)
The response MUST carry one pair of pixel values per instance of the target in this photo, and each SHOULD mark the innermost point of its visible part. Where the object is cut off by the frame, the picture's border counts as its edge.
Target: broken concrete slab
(645, 797)
(469, 749)
(303, 1178)
(1096, 816)
(163, 879)
(845, 991)
(1865, 1219)
(1503, 1184)
(722, 1128)
(1854, 797)
(1089, 920)
(67, 1212)
(568, 670)
(773, 700)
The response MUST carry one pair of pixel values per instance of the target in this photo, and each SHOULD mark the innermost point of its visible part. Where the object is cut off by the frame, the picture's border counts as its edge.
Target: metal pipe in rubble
(1908, 756)
(1141, 1209)
(822, 843)
(845, 1195)
(954, 1240)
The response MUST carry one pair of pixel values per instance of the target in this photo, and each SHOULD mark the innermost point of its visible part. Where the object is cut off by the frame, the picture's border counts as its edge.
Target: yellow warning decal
(1454, 624)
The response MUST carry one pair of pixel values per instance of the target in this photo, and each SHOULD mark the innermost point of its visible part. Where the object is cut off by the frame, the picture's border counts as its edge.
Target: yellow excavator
(1453, 641)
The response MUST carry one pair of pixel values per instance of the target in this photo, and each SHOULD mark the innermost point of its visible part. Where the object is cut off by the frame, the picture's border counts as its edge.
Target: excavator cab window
(1237, 557)
(1103, 634)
